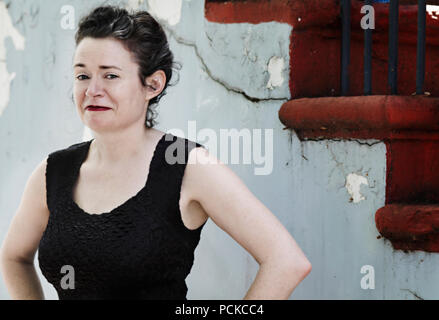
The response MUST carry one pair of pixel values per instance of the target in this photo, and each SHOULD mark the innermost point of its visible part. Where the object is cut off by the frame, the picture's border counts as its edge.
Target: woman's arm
(18, 249)
(231, 205)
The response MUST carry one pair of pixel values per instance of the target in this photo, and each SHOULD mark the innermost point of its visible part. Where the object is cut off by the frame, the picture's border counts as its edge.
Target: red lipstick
(93, 108)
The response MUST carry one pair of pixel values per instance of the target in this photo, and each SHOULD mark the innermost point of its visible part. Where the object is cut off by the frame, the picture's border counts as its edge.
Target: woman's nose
(94, 88)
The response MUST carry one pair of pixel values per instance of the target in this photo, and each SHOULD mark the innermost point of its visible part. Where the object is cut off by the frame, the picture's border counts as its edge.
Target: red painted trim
(367, 117)
(412, 171)
(410, 227)
(365, 134)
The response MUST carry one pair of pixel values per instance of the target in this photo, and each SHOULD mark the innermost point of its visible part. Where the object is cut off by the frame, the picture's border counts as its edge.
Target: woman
(117, 229)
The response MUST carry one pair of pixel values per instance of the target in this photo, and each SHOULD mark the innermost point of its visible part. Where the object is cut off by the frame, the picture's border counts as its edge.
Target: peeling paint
(7, 30)
(249, 54)
(353, 183)
(169, 11)
(205, 68)
(433, 11)
(275, 68)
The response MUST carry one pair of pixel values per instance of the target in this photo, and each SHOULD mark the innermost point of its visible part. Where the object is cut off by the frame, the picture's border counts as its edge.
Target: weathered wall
(225, 82)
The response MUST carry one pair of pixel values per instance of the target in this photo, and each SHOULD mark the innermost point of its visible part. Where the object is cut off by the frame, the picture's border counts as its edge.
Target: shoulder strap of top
(59, 169)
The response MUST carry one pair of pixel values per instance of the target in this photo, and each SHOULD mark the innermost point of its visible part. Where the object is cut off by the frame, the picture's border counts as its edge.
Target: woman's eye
(112, 75)
(79, 77)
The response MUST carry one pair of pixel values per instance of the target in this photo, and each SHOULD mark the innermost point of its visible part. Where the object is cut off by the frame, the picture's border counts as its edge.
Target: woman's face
(106, 75)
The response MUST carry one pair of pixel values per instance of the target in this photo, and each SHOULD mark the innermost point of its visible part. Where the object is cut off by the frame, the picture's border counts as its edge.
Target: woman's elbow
(306, 268)
(301, 267)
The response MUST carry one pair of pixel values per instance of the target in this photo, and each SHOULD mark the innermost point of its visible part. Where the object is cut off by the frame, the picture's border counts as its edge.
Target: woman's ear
(155, 84)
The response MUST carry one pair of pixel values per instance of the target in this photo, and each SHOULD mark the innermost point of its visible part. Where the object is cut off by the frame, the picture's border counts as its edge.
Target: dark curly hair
(142, 35)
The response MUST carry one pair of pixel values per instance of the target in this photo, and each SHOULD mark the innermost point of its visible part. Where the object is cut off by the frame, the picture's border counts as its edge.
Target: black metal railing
(393, 48)
(420, 51)
(345, 45)
(368, 58)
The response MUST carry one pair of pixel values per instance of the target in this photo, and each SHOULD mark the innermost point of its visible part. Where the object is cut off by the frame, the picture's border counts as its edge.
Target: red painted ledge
(410, 227)
(363, 117)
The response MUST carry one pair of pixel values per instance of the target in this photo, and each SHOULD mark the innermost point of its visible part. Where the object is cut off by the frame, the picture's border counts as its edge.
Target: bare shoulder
(206, 175)
(35, 188)
(201, 159)
(30, 218)
(192, 175)
(37, 183)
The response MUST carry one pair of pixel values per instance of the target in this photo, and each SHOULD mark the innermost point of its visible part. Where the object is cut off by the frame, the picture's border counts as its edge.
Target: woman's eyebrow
(81, 65)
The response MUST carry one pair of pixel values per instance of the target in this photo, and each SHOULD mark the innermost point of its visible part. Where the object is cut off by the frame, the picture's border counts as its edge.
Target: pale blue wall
(306, 189)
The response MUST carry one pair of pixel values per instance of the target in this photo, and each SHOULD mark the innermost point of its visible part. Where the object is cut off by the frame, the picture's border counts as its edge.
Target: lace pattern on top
(139, 250)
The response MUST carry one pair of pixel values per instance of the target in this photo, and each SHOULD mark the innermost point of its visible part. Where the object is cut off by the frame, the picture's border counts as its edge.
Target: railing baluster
(368, 58)
(345, 44)
(420, 52)
(393, 46)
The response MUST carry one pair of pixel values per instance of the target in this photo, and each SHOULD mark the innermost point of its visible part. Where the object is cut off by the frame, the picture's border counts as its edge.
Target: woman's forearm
(21, 280)
(276, 281)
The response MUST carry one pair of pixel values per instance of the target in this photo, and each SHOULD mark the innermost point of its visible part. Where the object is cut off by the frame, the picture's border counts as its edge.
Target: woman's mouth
(95, 108)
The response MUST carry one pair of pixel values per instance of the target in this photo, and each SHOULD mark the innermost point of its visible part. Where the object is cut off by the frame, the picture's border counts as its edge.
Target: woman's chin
(99, 126)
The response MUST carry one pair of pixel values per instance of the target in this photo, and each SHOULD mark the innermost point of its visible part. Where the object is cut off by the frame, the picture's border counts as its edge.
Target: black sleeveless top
(139, 250)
